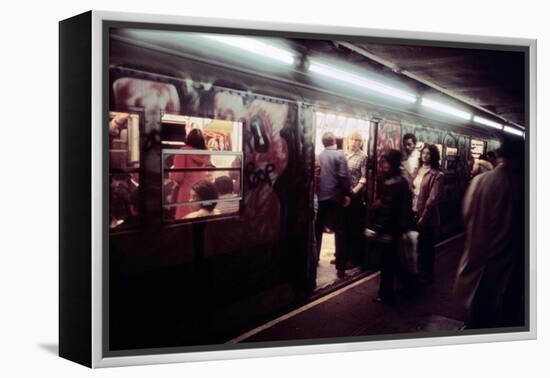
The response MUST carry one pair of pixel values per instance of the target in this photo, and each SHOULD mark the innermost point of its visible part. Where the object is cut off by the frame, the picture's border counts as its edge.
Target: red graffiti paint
(265, 152)
(154, 97)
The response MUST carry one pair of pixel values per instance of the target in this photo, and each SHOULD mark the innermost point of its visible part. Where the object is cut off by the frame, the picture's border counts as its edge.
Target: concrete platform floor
(349, 311)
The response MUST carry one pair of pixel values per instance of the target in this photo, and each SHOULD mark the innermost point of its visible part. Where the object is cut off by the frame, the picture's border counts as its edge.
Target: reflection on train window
(124, 157)
(202, 167)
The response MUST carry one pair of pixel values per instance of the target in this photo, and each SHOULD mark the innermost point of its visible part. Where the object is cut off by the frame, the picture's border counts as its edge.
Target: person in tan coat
(427, 187)
(490, 281)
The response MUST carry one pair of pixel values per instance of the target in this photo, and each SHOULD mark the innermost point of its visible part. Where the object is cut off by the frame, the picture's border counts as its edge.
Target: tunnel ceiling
(491, 79)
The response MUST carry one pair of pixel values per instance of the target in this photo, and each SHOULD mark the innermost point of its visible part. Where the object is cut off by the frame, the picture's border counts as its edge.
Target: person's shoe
(341, 274)
(425, 281)
(349, 265)
(381, 300)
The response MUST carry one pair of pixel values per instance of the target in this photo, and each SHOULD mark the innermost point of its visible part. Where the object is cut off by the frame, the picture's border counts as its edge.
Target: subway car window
(343, 128)
(478, 148)
(202, 168)
(124, 177)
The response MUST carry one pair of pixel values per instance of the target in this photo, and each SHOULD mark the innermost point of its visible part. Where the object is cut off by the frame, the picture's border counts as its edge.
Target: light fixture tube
(434, 105)
(513, 130)
(487, 122)
(254, 46)
(334, 73)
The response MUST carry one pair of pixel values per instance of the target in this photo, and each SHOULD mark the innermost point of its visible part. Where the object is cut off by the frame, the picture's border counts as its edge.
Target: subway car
(182, 277)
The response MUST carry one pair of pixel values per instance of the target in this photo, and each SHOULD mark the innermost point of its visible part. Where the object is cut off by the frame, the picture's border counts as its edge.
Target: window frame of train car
(238, 199)
(140, 113)
(485, 146)
(175, 151)
(100, 26)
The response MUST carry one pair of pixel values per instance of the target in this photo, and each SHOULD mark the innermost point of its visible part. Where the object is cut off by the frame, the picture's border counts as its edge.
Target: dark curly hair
(393, 157)
(434, 155)
(409, 136)
(195, 139)
(206, 191)
(224, 184)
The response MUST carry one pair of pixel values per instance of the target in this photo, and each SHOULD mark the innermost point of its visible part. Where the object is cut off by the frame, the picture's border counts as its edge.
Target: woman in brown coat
(427, 187)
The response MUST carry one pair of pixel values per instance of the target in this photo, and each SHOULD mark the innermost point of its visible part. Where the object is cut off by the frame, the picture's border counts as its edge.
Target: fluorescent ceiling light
(254, 46)
(487, 122)
(513, 130)
(359, 81)
(445, 109)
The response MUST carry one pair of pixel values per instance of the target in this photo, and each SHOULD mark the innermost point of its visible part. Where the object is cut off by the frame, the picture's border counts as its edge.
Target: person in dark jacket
(333, 191)
(392, 219)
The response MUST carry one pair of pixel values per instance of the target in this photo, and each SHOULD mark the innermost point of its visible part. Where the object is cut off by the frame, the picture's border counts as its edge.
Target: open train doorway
(351, 139)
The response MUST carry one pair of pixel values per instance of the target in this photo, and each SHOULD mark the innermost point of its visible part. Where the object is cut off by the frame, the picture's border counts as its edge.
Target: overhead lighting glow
(254, 46)
(487, 122)
(359, 81)
(445, 109)
(513, 130)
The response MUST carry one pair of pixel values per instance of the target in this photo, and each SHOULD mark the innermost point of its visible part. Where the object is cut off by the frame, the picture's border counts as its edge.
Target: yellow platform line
(319, 301)
(301, 309)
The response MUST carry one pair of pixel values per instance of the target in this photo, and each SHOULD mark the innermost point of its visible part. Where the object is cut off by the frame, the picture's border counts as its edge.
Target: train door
(352, 136)
(125, 199)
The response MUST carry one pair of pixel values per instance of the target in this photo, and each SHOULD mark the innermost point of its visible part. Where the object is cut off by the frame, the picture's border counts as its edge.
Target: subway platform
(350, 311)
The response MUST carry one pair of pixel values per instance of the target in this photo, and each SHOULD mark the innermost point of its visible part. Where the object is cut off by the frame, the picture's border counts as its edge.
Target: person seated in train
(203, 191)
(224, 185)
(392, 217)
(481, 165)
(427, 189)
(355, 213)
(411, 156)
(213, 145)
(185, 179)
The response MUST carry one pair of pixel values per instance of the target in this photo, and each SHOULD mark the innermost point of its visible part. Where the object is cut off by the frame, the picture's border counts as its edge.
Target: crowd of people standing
(490, 277)
(408, 199)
